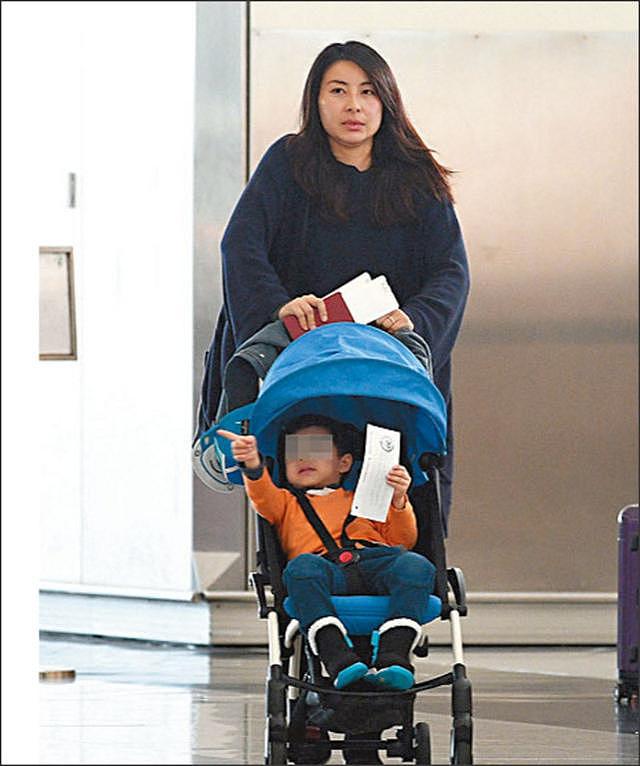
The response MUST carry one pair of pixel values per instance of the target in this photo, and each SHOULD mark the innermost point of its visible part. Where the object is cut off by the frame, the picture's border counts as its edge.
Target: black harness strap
(349, 541)
(347, 557)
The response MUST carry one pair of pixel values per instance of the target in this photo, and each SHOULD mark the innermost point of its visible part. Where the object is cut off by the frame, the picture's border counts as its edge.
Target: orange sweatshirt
(280, 508)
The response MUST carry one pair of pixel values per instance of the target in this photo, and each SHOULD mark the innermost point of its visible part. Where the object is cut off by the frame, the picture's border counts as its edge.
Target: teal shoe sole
(350, 675)
(394, 677)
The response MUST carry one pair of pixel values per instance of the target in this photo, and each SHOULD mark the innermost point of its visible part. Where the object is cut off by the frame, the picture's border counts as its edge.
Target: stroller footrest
(361, 615)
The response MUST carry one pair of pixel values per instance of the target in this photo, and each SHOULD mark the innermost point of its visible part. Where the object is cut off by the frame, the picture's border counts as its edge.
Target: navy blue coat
(277, 246)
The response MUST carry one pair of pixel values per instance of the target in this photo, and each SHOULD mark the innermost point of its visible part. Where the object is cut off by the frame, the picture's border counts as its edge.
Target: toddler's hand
(398, 477)
(243, 448)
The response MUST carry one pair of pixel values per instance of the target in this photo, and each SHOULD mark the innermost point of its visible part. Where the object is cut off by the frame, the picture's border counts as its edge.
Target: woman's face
(350, 110)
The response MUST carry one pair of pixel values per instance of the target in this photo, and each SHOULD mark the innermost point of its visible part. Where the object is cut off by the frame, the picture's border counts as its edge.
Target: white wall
(137, 212)
(105, 90)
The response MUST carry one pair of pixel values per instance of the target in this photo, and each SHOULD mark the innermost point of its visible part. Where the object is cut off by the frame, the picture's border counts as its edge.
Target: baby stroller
(360, 375)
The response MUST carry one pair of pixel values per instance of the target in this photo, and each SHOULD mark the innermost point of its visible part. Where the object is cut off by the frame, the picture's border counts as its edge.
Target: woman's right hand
(302, 309)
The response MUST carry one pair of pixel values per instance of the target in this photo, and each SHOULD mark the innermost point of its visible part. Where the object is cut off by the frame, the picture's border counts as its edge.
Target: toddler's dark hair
(344, 436)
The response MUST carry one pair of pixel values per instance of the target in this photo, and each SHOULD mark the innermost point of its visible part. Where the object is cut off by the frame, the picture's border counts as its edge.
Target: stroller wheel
(276, 753)
(460, 751)
(275, 750)
(462, 730)
(315, 750)
(423, 744)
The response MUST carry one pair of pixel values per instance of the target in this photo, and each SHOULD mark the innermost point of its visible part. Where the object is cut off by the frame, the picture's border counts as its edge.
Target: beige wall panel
(547, 445)
(497, 16)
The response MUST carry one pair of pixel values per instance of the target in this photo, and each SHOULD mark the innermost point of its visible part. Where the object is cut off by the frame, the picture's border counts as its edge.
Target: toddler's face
(312, 460)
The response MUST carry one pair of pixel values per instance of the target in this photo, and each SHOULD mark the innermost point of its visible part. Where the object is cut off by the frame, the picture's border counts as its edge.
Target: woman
(354, 190)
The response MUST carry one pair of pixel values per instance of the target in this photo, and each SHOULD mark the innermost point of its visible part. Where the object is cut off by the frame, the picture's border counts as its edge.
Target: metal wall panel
(542, 127)
(219, 519)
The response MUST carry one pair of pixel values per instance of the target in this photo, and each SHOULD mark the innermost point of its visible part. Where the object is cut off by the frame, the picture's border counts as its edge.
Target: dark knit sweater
(277, 246)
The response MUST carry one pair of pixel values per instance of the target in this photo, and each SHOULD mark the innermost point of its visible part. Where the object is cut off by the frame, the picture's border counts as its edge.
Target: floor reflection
(133, 702)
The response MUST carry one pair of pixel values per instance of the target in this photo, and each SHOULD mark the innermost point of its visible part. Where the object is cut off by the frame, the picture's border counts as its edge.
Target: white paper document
(373, 495)
(367, 299)
(371, 301)
(353, 285)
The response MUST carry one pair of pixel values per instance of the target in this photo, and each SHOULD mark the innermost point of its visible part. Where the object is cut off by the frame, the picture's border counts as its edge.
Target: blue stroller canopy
(356, 374)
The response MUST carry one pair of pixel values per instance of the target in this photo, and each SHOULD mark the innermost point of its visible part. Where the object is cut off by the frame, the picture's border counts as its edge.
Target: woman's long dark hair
(404, 168)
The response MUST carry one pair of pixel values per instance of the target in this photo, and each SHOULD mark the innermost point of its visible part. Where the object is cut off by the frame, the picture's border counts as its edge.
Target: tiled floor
(156, 704)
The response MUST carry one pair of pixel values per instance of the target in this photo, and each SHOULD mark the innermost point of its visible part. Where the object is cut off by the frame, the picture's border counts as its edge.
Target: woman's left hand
(394, 321)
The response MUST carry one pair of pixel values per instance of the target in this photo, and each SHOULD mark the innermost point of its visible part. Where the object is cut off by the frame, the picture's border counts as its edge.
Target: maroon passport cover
(337, 311)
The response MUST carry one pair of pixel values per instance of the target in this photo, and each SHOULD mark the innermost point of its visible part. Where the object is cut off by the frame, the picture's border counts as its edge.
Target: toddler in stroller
(317, 456)
(347, 374)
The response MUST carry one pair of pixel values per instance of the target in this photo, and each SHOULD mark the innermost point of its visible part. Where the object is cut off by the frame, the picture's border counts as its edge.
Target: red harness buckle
(347, 557)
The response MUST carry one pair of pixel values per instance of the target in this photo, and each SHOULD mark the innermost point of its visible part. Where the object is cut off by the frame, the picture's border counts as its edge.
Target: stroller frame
(302, 707)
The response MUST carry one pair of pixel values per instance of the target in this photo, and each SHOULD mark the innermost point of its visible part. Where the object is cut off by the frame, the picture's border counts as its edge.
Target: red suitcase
(628, 610)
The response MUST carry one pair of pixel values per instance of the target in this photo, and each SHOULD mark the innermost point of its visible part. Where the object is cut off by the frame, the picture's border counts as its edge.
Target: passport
(337, 311)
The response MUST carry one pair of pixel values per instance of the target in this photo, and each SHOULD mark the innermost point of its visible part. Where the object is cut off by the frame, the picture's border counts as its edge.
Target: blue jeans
(408, 578)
